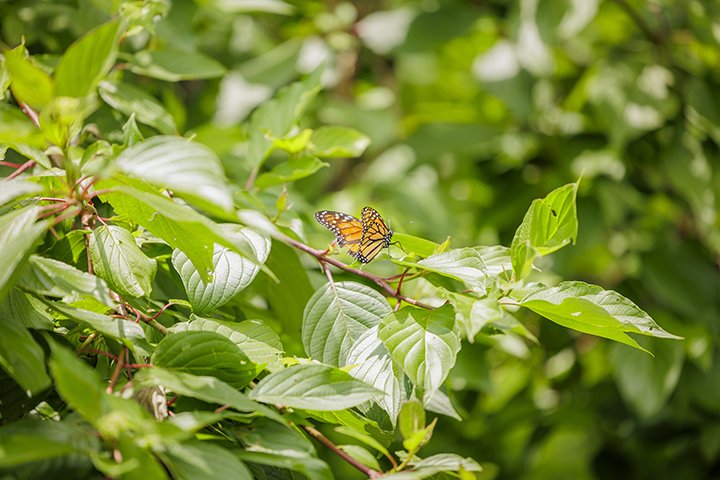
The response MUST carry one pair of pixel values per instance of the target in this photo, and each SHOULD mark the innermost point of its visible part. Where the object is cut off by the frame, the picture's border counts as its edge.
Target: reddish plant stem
(118, 368)
(21, 169)
(312, 431)
(10, 164)
(32, 115)
(98, 352)
(160, 311)
(361, 273)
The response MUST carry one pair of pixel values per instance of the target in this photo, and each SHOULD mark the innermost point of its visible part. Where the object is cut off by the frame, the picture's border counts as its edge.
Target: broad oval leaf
(205, 353)
(196, 459)
(256, 340)
(188, 168)
(175, 65)
(293, 169)
(13, 189)
(231, 272)
(119, 261)
(464, 264)
(374, 366)
(424, 342)
(338, 142)
(336, 316)
(591, 309)
(21, 356)
(28, 82)
(87, 61)
(18, 234)
(313, 387)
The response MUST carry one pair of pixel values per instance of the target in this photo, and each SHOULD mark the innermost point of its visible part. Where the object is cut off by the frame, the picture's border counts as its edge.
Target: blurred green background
(474, 109)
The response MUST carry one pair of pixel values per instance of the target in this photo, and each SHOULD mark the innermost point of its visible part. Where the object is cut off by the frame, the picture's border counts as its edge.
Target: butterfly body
(366, 236)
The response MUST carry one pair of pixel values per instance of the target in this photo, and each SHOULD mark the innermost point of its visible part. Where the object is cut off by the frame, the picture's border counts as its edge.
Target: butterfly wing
(375, 236)
(347, 229)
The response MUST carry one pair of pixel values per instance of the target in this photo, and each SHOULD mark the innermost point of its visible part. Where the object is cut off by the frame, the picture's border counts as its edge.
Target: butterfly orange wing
(347, 229)
(375, 236)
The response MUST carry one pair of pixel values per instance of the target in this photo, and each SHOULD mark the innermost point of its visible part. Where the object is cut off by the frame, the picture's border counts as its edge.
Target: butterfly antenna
(401, 247)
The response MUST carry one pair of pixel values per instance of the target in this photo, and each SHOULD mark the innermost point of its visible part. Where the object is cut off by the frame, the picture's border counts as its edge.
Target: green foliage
(168, 310)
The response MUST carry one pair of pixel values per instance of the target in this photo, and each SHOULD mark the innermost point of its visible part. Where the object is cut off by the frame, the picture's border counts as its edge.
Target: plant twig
(329, 444)
(32, 114)
(118, 369)
(322, 257)
(21, 169)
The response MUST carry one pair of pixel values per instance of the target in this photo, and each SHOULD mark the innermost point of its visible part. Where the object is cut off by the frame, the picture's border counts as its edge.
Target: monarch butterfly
(365, 237)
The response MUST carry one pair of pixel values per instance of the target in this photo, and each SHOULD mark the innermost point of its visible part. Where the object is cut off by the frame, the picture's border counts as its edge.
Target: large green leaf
(205, 388)
(338, 142)
(374, 366)
(131, 100)
(186, 167)
(87, 61)
(28, 82)
(21, 356)
(336, 316)
(119, 261)
(293, 169)
(13, 189)
(26, 308)
(205, 353)
(175, 65)
(18, 132)
(195, 459)
(549, 224)
(464, 264)
(231, 273)
(424, 342)
(18, 234)
(47, 276)
(256, 340)
(312, 468)
(590, 309)
(127, 332)
(313, 387)
(32, 448)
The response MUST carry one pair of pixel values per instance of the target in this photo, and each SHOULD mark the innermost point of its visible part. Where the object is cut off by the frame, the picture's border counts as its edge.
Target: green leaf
(419, 246)
(336, 316)
(271, 437)
(231, 272)
(374, 366)
(119, 261)
(87, 61)
(131, 100)
(464, 264)
(256, 340)
(312, 468)
(549, 224)
(28, 82)
(293, 169)
(338, 142)
(26, 308)
(188, 168)
(40, 449)
(581, 305)
(205, 388)
(13, 189)
(439, 402)
(18, 131)
(447, 462)
(18, 234)
(205, 353)
(127, 332)
(174, 65)
(276, 117)
(644, 382)
(138, 463)
(21, 356)
(195, 459)
(411, 419)
(313, 387)
(423, 342)
(78, 384)
(47, 276)
(362, 455)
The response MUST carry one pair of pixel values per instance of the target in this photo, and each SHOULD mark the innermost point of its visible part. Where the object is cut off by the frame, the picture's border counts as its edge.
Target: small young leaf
(231, 273)
(87, 61)
(338, 142)
(313, 387)
(186, 167)
(419, 246)
(205, 353)
(549, 224)
(448, 462)
(423, 342)
(411, 419)
(120, 262)
(293, 169)
(336, 316)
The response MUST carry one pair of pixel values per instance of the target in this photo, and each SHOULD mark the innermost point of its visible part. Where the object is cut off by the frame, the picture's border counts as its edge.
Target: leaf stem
(21, 169)
(32, 114)
(312, 431)
(322, 257)
(118, 369)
